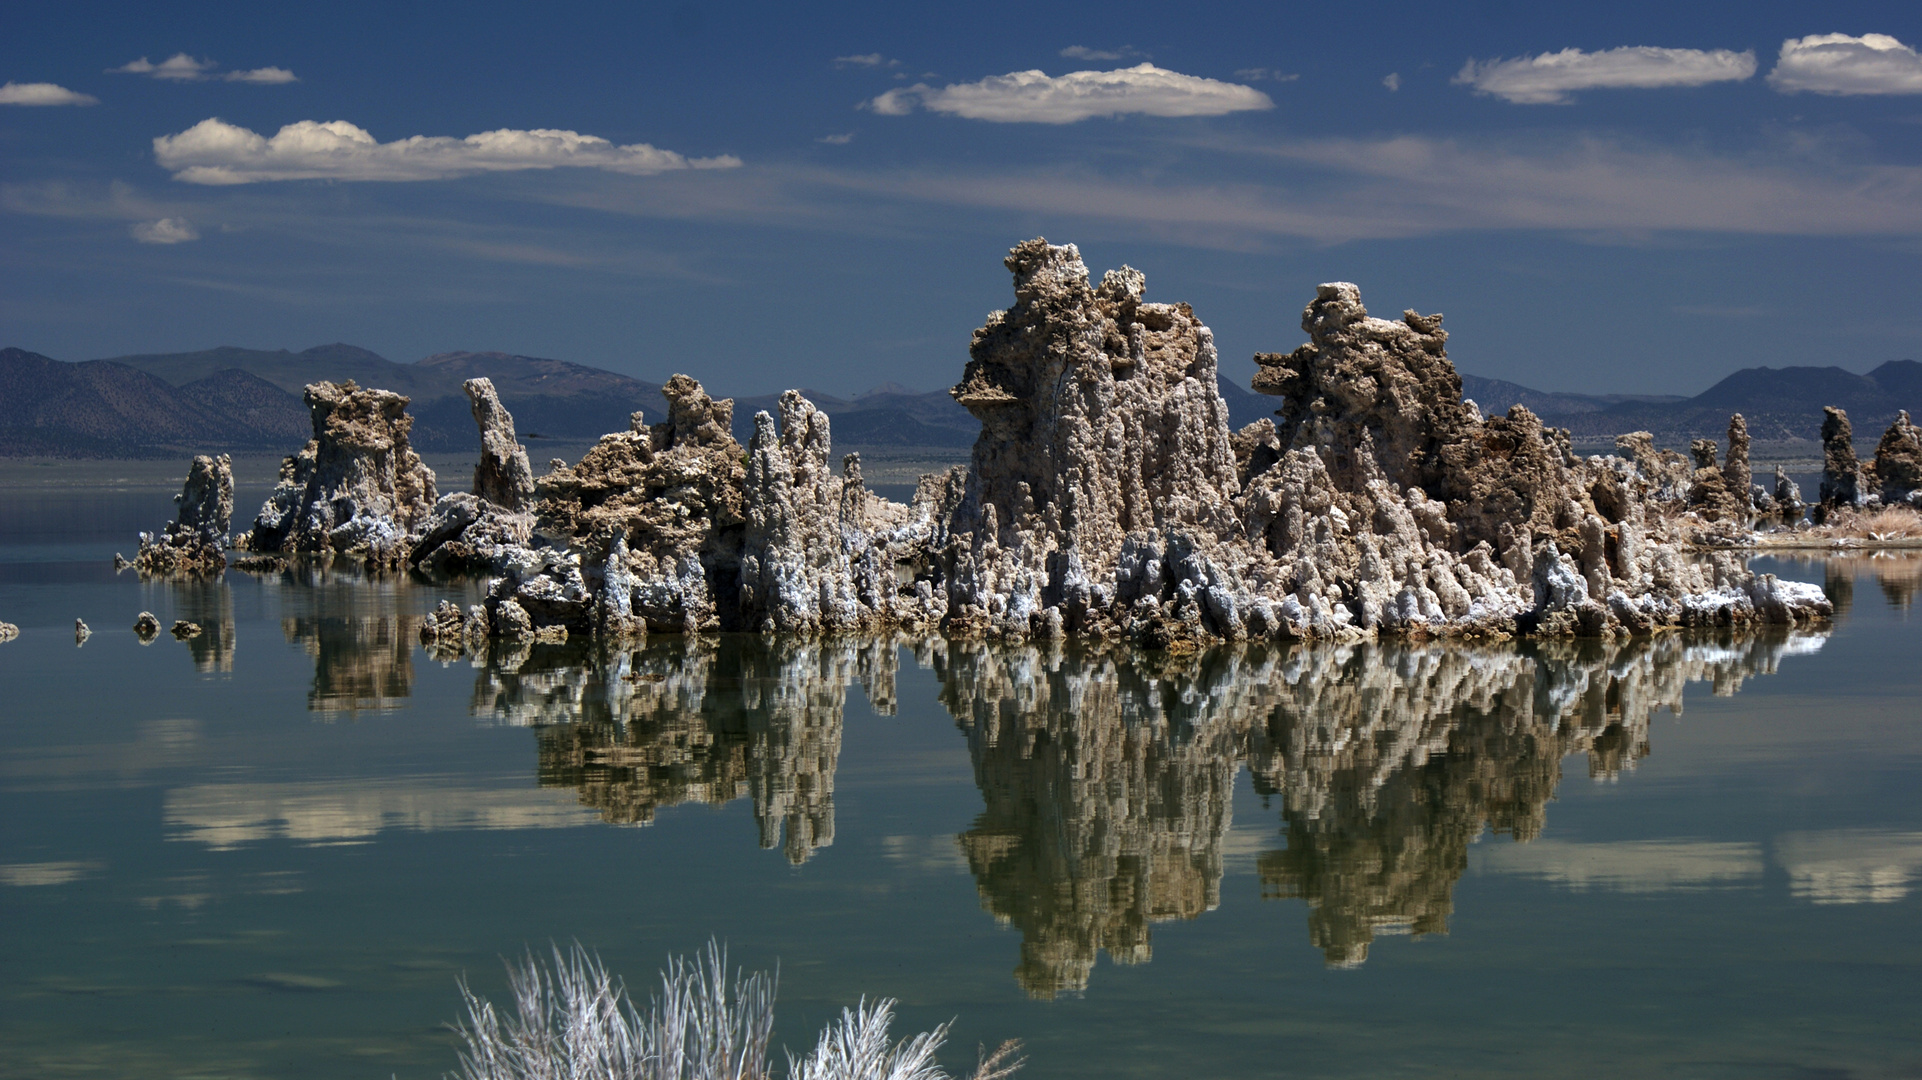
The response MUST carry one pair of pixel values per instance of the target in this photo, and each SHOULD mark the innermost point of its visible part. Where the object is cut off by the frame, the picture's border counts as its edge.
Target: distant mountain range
(248, 400)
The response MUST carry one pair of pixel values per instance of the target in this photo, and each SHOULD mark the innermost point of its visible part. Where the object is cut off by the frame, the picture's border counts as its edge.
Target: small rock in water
(8, 631)
(146, 627)
(80, 632)
(183, 629)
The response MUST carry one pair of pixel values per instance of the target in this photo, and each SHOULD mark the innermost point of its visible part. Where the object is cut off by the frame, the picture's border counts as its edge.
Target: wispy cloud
(216, 152)
(179, 67)
(1082, 52)
(1392, 81)
(1549, 78)
(266, 75)
(1034, 97)
(1264, 74)
(1840, 64)
(169, 230)
(837, 140)
(182, 67)
(43, 93)
(865, 60)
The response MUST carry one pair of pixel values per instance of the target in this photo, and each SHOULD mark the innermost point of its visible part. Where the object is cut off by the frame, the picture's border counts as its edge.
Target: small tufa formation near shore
(357, 488)
(8, 631)
(195, 543)
(1896, 473)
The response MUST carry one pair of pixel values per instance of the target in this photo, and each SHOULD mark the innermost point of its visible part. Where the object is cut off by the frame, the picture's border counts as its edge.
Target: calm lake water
(270, 851)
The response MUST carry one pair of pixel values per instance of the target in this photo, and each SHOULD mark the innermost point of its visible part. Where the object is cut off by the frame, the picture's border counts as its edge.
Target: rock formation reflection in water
(1108, 777)
(362, 638)
(1107, 774)
(695, 720)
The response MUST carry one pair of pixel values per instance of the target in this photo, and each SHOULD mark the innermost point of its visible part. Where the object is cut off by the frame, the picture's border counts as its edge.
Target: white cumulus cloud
(267, 75)
(1840, 64)
(1392, 81)
(1547, 79)
(1035, 97)
(216, 152)
(43, 93)
(168, 230)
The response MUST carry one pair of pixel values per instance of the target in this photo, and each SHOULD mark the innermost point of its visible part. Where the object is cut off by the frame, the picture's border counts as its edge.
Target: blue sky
(776, 195)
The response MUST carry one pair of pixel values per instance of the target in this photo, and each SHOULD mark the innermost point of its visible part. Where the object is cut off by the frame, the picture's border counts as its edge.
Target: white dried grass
(573, 1021)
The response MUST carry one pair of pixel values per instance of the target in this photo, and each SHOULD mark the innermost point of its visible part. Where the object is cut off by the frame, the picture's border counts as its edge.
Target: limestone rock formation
(195, 542)
(1896, 472)
(502, 477)
(146, 627)
(1789, 507)
(653, 511)
(357, 488)
(1842, 486)
(1105, 497)
(1735, 468)
(81, 632)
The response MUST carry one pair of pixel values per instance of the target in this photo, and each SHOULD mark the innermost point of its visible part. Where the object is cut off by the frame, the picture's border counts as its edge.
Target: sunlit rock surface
(195, 542)
(357, 487)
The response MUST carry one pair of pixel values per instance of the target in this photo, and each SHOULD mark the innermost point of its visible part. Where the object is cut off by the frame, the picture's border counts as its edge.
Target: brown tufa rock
(182, 630)
(8, 631)
(1841, 473)
(1735, 468)
(503, 476)
(1100, 424)
(194, 543)
(1897, 470)
(80, 632)
(669, 497)
(146, 627)
(357, 488)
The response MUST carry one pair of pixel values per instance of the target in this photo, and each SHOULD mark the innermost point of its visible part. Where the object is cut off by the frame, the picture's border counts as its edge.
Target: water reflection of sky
(331, 810)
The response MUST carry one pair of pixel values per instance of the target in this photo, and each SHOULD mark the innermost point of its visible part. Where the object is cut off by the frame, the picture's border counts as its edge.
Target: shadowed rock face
(357, 488)
(194, 543)
(1897, 470)
(1841, 472)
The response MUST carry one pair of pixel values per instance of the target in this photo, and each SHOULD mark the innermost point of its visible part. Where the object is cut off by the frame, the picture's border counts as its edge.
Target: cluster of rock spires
(1107, 496)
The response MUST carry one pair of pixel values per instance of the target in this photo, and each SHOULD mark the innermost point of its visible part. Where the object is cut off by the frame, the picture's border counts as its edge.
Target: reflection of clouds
(46, 873)
(225, 816)
(1636, 866)
(158, 745)
(1850, 866)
